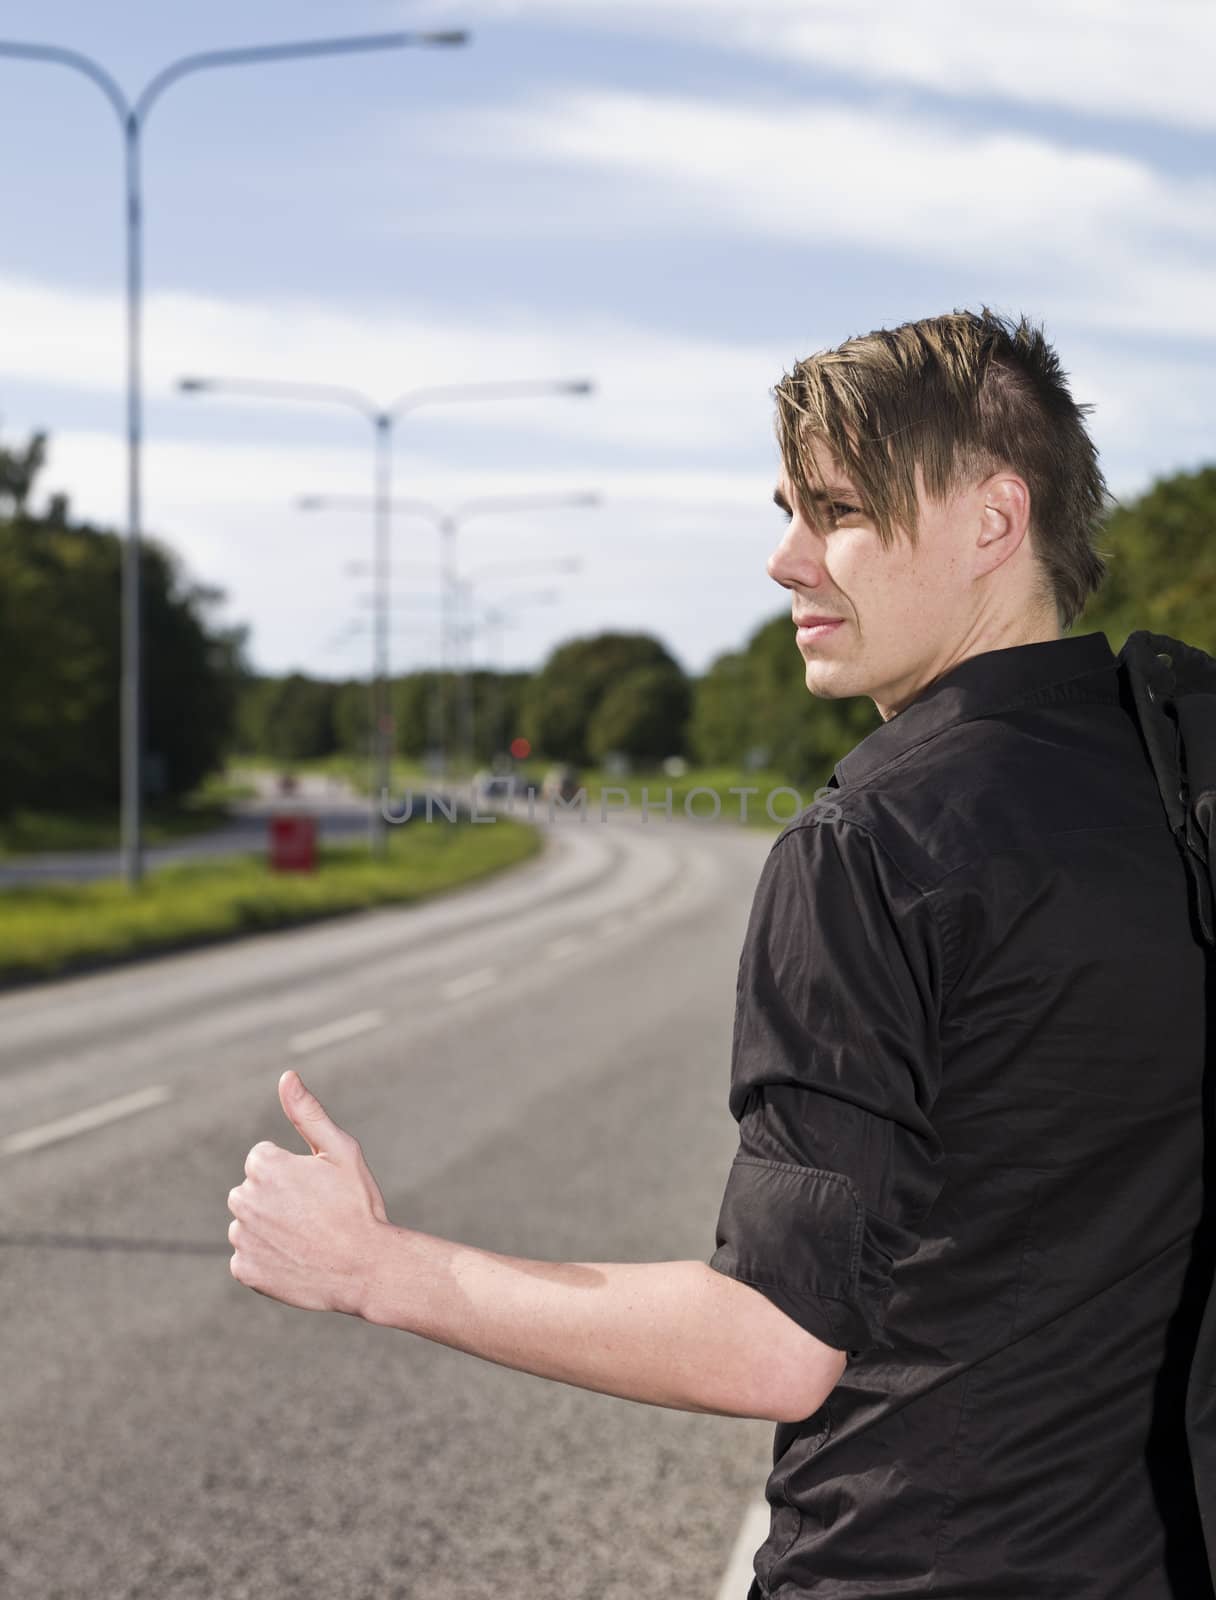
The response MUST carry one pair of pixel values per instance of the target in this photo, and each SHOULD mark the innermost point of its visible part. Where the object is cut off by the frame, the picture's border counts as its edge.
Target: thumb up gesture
(306, 1228)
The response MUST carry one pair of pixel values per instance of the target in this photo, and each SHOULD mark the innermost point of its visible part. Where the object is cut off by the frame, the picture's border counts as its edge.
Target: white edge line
(83, 1121)
(741, 1569)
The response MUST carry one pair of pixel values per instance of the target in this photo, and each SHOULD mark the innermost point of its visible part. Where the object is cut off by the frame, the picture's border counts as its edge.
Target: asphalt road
(539, 1066)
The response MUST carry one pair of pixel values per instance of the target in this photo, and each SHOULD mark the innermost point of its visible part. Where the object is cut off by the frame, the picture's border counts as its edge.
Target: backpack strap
(1173, 687)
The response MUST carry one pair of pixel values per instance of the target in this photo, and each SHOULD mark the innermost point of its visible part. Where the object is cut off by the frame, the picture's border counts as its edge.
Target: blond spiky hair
(961, 395)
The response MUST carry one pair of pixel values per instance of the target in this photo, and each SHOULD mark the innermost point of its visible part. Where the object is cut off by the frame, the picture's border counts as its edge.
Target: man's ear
(1004, 519)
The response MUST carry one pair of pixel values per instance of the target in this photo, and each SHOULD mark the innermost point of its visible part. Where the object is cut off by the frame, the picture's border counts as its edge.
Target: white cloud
(1012, 205)
(1102, 58)
(654, 390)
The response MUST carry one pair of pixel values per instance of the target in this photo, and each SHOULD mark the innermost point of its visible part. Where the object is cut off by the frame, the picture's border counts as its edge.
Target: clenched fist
(306, 1229)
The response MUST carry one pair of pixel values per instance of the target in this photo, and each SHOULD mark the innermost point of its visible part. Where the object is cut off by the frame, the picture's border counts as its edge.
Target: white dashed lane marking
(336, 1032)
(84, 1121)
(558, 949)
(469, 983)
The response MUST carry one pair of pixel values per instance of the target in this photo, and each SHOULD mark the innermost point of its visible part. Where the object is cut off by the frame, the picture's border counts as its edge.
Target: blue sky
(675, 199)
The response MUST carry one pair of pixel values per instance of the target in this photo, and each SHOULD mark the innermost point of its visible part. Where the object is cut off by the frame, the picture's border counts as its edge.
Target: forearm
(668, 1333)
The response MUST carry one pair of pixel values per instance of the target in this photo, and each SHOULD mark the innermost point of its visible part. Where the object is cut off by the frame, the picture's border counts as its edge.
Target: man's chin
(819, 684)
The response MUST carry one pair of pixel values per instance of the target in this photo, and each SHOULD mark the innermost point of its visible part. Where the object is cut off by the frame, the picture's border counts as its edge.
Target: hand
(305, 1228)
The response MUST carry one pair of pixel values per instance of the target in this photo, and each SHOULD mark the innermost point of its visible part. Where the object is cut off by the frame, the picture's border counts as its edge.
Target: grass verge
(50, 929)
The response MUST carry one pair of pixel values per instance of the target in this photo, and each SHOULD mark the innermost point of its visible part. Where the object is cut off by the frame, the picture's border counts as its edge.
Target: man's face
(903, 611)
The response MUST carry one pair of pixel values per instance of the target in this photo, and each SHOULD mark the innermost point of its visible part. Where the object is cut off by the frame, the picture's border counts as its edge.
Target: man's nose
(795, 559)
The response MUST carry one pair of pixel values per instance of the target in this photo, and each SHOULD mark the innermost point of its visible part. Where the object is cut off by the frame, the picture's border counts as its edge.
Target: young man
(954, 1253)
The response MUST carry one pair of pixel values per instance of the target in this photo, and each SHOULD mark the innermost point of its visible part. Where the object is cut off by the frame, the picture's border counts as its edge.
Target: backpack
(1172, 688)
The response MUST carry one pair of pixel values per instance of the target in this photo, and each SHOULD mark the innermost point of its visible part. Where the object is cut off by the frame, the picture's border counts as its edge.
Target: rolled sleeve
(834, 1071)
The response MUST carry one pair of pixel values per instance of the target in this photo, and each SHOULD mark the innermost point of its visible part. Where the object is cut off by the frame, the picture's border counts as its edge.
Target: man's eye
(838, 509)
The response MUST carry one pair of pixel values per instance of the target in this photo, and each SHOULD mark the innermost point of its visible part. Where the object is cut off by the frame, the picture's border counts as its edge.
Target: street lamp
(448, 522)
(382, 420)
(132, 116)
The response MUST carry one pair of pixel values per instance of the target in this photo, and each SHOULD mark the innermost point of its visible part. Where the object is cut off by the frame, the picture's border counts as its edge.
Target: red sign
(293, 844)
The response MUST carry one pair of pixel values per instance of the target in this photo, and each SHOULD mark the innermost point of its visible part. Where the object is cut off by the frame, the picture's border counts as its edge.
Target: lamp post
(448, 523)
(383, 420)
(132, 115)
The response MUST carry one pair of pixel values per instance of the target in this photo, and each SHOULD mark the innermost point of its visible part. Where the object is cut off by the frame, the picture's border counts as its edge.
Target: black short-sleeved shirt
(969, 1047)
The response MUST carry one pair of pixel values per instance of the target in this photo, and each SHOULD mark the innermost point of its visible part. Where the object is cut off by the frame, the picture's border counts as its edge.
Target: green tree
(721, 730)
(414, 712)
(194, 669)
(564, 696)
(297, 718)
(1161, 553)
(60, 652)
(643, 715)
(353, 717)
(18, 470)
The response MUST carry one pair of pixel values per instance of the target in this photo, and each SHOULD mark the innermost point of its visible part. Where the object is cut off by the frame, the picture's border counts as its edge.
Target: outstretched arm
(670, 1333)
(312, 1231)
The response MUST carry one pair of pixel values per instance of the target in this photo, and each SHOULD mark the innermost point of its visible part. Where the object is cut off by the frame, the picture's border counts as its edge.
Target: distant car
(561, 783)
(508, 787)
(490, 786)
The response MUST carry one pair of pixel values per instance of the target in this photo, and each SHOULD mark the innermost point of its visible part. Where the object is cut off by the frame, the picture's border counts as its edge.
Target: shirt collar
(980, 685)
